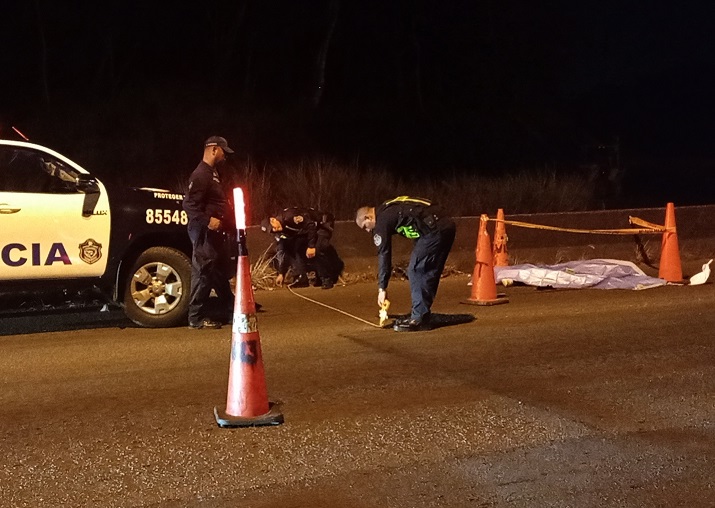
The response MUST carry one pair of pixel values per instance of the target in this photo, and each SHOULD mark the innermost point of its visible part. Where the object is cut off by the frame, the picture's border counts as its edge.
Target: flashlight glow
(239, 208)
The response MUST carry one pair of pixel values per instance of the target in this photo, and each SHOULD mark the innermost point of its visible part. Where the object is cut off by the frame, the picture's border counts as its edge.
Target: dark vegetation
(335, 104)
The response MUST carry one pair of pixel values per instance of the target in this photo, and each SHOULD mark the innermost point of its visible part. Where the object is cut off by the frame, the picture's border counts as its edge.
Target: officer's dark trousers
(207, 273)
(328, 264)
(294, 255)
(426, 265)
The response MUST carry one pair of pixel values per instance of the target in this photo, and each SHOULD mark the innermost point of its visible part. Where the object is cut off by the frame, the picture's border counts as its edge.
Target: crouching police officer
(433, 234)
(302, 241)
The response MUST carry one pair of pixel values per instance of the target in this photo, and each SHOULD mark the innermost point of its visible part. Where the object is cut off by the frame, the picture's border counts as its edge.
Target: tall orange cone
(484, 288)
(499, 252)
(670, 268)
(247, 402)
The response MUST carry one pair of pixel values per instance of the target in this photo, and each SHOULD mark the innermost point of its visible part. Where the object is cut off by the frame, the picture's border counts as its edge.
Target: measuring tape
(335, 309)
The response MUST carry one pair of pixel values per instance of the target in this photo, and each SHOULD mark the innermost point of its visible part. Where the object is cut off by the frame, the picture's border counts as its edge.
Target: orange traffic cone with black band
(669, 267)
(247, 402)
(484, 288)
(499, 252)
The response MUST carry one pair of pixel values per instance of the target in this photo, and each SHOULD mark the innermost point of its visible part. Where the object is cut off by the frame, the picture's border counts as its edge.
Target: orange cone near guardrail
(247, 402)
(484, 288)
(499, 252)
(669, 267)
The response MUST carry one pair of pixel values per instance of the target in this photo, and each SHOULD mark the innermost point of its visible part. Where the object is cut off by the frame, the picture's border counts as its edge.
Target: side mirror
(90, 187)
(87, 184)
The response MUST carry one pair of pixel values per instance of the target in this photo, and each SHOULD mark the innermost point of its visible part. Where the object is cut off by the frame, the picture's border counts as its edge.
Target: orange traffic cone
(484, 288)
(499, 252)
(247, 402)
(669, 267)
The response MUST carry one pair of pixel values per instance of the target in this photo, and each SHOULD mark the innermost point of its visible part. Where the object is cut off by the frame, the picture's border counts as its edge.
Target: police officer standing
(302, 237)
(433, 234)
(207, 208)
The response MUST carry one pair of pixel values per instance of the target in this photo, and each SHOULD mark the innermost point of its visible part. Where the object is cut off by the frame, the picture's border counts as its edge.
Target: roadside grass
(340, 188)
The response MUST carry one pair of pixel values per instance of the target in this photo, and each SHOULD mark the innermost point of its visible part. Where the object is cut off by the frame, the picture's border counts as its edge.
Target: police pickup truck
(61, 228)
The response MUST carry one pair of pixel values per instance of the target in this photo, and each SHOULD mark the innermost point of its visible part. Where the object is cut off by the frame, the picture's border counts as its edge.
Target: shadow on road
(439, 320)
(26, 322)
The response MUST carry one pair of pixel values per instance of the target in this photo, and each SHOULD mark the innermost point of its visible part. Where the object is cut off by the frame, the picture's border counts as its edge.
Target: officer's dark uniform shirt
(409, 217)
(205, 197)
(300, 221)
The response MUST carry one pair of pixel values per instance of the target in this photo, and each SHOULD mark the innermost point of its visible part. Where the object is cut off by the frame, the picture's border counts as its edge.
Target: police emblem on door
(90, 251)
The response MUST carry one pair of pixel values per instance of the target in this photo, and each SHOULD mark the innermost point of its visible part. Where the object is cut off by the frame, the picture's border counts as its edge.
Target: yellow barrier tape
(626, 231)
(644, 223)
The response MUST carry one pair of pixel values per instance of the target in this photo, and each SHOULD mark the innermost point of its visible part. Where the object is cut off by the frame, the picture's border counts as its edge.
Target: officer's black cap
(218, 141)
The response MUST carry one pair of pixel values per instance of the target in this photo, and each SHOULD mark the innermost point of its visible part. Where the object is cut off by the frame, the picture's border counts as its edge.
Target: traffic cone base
(272, 417)
(501, 298)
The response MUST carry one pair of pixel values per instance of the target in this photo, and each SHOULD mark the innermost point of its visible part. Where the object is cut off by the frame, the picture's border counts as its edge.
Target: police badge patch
(90, 251)
(377, 239)
(298, 219)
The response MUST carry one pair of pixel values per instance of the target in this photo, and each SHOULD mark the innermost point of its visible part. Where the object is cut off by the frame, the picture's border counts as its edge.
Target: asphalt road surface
(574, 398)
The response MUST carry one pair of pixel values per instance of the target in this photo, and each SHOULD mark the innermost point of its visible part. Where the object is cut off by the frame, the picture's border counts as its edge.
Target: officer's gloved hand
(381, 297)
(279, 280)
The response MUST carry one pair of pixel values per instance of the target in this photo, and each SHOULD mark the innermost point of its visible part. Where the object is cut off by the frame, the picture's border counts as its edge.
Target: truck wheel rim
(156, 288)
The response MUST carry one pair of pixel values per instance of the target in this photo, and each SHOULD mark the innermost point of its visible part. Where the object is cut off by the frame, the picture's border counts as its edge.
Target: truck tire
(156, 290)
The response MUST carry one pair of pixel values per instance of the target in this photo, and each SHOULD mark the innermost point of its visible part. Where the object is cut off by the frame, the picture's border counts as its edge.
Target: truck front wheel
(156, 292)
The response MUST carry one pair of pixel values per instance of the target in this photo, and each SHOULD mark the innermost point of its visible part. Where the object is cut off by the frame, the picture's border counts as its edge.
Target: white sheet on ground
(591, 273)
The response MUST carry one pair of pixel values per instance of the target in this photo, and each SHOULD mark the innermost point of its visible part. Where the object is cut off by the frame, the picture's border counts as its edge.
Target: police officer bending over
(433, 234)
(302, 241)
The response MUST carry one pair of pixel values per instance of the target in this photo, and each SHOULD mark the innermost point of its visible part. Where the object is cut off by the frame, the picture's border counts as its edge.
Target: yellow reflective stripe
(404, 199)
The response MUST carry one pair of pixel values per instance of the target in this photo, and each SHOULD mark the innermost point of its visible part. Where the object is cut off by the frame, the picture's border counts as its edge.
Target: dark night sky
(441, 83)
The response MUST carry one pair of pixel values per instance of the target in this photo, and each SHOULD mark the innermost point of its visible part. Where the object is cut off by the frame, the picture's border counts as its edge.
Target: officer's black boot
(413, 325)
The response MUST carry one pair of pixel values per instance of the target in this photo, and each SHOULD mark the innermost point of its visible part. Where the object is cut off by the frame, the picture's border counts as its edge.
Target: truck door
(54, 219)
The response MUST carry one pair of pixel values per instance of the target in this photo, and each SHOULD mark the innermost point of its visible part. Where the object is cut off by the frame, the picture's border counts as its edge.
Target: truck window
(23, 170)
